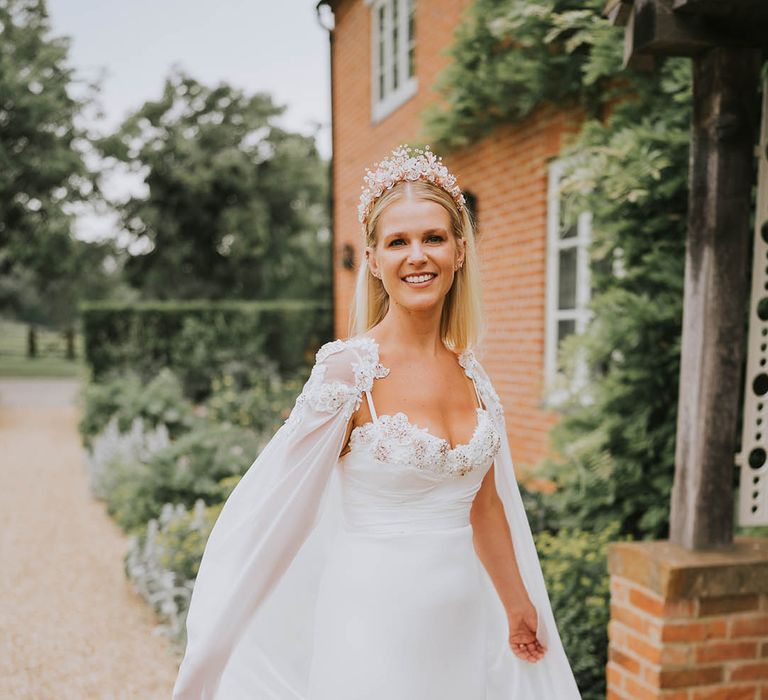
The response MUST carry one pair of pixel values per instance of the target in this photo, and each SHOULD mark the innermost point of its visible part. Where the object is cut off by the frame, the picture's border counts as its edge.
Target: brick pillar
(688, 625)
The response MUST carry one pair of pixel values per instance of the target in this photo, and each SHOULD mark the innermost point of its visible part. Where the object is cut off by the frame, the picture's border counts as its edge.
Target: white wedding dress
(355, 578)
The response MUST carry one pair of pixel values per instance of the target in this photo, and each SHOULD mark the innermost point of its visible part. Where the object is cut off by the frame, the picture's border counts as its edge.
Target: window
(568, 281)
(393, 55)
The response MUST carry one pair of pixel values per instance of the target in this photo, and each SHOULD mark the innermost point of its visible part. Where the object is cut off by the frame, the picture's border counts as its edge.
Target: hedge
(199, 339)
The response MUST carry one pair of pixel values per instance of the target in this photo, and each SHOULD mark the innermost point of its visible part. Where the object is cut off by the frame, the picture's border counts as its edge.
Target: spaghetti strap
(479, 400)
(370, 405)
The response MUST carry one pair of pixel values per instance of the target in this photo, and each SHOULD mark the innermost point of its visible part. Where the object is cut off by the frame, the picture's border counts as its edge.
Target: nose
(416, 252)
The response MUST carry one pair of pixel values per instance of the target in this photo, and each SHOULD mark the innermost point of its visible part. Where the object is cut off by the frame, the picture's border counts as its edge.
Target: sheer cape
(249, 625)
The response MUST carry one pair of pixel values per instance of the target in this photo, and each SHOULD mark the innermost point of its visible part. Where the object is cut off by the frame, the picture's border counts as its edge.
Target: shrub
(538, 509)
(256, 398)
(125, 397)
(200, 351)
(112, 448)
(164, 558)
(575, 570)
(189, 469)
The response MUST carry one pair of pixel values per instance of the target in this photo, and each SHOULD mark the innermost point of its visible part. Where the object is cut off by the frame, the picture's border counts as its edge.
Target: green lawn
(50, 361)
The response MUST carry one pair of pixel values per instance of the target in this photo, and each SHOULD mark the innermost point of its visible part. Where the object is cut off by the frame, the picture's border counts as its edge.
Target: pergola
(726, 40)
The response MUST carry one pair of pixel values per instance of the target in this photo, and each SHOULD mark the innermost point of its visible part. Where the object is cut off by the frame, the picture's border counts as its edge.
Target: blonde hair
(461, 321)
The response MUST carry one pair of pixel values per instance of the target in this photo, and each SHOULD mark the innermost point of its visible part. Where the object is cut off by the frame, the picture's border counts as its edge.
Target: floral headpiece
(406, 163)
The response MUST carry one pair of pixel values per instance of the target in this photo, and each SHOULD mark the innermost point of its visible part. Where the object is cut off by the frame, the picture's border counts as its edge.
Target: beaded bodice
(395, 439)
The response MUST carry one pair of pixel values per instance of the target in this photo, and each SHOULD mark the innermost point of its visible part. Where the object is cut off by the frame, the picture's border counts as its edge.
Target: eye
(433, 236)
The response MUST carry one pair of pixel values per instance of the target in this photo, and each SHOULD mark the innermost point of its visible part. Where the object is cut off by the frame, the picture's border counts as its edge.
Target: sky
(131, 46)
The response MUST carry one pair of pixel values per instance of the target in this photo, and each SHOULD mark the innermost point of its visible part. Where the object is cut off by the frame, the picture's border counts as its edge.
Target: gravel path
(71, 627)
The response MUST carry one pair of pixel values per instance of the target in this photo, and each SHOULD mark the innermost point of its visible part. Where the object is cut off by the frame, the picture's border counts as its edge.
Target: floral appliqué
(326, 396)
(393, 438)
(474, 370)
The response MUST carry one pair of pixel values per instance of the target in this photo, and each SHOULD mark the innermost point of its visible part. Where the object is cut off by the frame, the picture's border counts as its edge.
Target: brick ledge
(676, 572)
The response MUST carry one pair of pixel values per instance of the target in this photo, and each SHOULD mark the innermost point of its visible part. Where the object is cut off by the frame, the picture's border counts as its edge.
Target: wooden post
(725, 118)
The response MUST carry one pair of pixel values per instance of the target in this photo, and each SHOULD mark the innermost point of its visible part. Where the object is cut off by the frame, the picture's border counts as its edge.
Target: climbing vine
(616, 441)
(510, 56)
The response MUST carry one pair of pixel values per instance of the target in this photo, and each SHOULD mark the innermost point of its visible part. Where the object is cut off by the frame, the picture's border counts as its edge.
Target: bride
(377, 549)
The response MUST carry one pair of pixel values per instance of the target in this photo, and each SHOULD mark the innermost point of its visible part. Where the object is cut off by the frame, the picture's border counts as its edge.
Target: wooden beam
(662, 28)
(635, 59)
(725, 111)
(754, 10)
(618, 12)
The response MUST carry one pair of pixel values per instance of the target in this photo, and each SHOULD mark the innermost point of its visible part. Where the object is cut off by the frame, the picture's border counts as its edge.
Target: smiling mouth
(419, 280)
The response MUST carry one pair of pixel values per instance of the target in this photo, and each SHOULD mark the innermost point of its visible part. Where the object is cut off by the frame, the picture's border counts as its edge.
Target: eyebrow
(429, 231)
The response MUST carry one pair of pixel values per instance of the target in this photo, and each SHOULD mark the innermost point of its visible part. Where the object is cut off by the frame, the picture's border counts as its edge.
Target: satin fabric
(401, 609)
(270, 579)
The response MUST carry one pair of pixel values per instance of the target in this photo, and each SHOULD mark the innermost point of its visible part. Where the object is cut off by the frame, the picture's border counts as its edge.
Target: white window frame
(380, 108)
(556, 388)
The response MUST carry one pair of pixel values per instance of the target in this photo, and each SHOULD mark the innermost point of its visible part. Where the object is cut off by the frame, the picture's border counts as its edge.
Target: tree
(42, 167)
(234, 205)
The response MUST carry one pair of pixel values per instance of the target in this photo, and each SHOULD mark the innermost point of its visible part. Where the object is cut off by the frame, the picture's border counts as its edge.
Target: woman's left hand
(523, 621)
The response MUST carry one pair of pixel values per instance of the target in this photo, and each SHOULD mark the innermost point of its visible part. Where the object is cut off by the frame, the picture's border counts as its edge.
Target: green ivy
(511, 56)
(616, 442)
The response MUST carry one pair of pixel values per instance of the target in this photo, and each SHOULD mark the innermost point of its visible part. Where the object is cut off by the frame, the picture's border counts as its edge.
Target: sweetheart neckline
(426, 431)
(464, 360)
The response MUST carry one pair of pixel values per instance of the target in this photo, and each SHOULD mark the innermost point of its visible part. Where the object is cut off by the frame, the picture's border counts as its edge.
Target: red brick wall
(507, 172)
(703, 636)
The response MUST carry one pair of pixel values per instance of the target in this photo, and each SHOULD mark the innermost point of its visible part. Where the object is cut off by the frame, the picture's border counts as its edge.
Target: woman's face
(416, 253)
